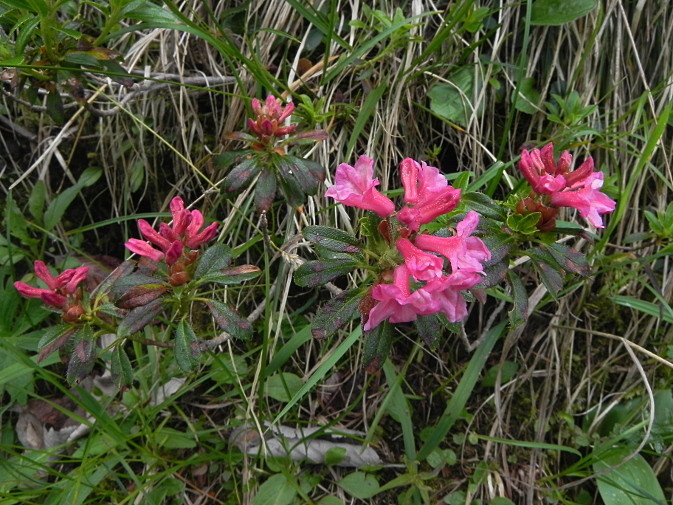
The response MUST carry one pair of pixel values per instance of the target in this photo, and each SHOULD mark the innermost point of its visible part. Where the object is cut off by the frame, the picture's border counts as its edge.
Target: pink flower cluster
(579, 189)
(270, 117)
(171, 241)
(61, 291)
(427, 195)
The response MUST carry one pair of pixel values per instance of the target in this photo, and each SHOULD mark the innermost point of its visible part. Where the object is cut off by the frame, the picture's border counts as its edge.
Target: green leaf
(335, 314)
(214, 259)
(360, 485)
(509, 369)
(332, 239)
(652, 309)
(121, 368)
(524, 223)
(276, 490)
(429, 328)
(265, 191)
(186, 347)
(483, 204)
(228, 320)
(627, 482)
(242, 174)
(283, 386)
(317, 273)
(38, 196)
(55, 107)
(452, 100)
(296, 169)
(569, 259)
(334, 456)
(138, 318)
(558, 12)
(57, 207)
(519, 313)
(501, 500)
(233, 275)
(529, 97)
(377, 346)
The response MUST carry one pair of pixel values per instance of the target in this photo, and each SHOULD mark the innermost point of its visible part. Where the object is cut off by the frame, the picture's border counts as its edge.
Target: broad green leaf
(529, 97)
(317, 273)
(558, 12)
(283, 386)
(335, 314)
(121, 368)
(214, 259)
(453, 100)
(242, 174)
(627, 482)
(228, 320)
(377, 346)
(38, 196)
(334, 456)
(519, 313)
(265, 191)
(186, 347)
(276, 490)
(508, 368)
(138, 318)
(360, 485)
(332, 239)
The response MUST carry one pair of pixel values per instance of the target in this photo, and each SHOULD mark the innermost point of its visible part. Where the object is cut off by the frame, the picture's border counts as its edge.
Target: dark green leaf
(186, 347)
(233, 275)
(125, 283)
(57, 207)
(629, 479)
(37, 199)
(429, 329)
(138, 318)
(55, 107)
(265, 191)
(494, 274)
(452, 100)
(83, 354)
(294, 195)
(335, 314)
(529, 98)
(377, 346)
(549, 277)
(241, 174)
(317, 273)
(571, 260)
(506, 370)
(121, 369)
(292, 168)
(214, 259)
(137, 296)
(519, 313)
(228, 320)
(558, 12)
(484, 205)
(332, 239)
(53, 339)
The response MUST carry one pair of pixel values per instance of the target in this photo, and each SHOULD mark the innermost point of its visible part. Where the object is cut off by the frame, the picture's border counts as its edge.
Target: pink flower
(542, 172)
(588, 199)
(396, 303)
(422, 266)
(58, 289)
(426, 193)
(270, 117)
(185, 232)
(446, 293)
(463, 251)
(420, 181)
(578, 188)
(355, 186)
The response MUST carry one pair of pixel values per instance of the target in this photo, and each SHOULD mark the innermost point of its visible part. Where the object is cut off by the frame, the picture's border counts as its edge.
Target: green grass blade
(459, 399)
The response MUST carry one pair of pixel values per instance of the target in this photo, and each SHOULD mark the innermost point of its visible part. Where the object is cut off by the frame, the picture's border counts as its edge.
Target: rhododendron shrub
(441, 247)
(173, 278)
(267, 161)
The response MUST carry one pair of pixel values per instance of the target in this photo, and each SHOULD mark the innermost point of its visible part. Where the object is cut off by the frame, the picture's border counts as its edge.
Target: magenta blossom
(463, 251)
(422, 265)
(397, 303)
(171, 241)
(579, 189)
(587, 199)
(426, 193)
(59, 289)
(355, 186)
(270, 117)
(446, 293)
